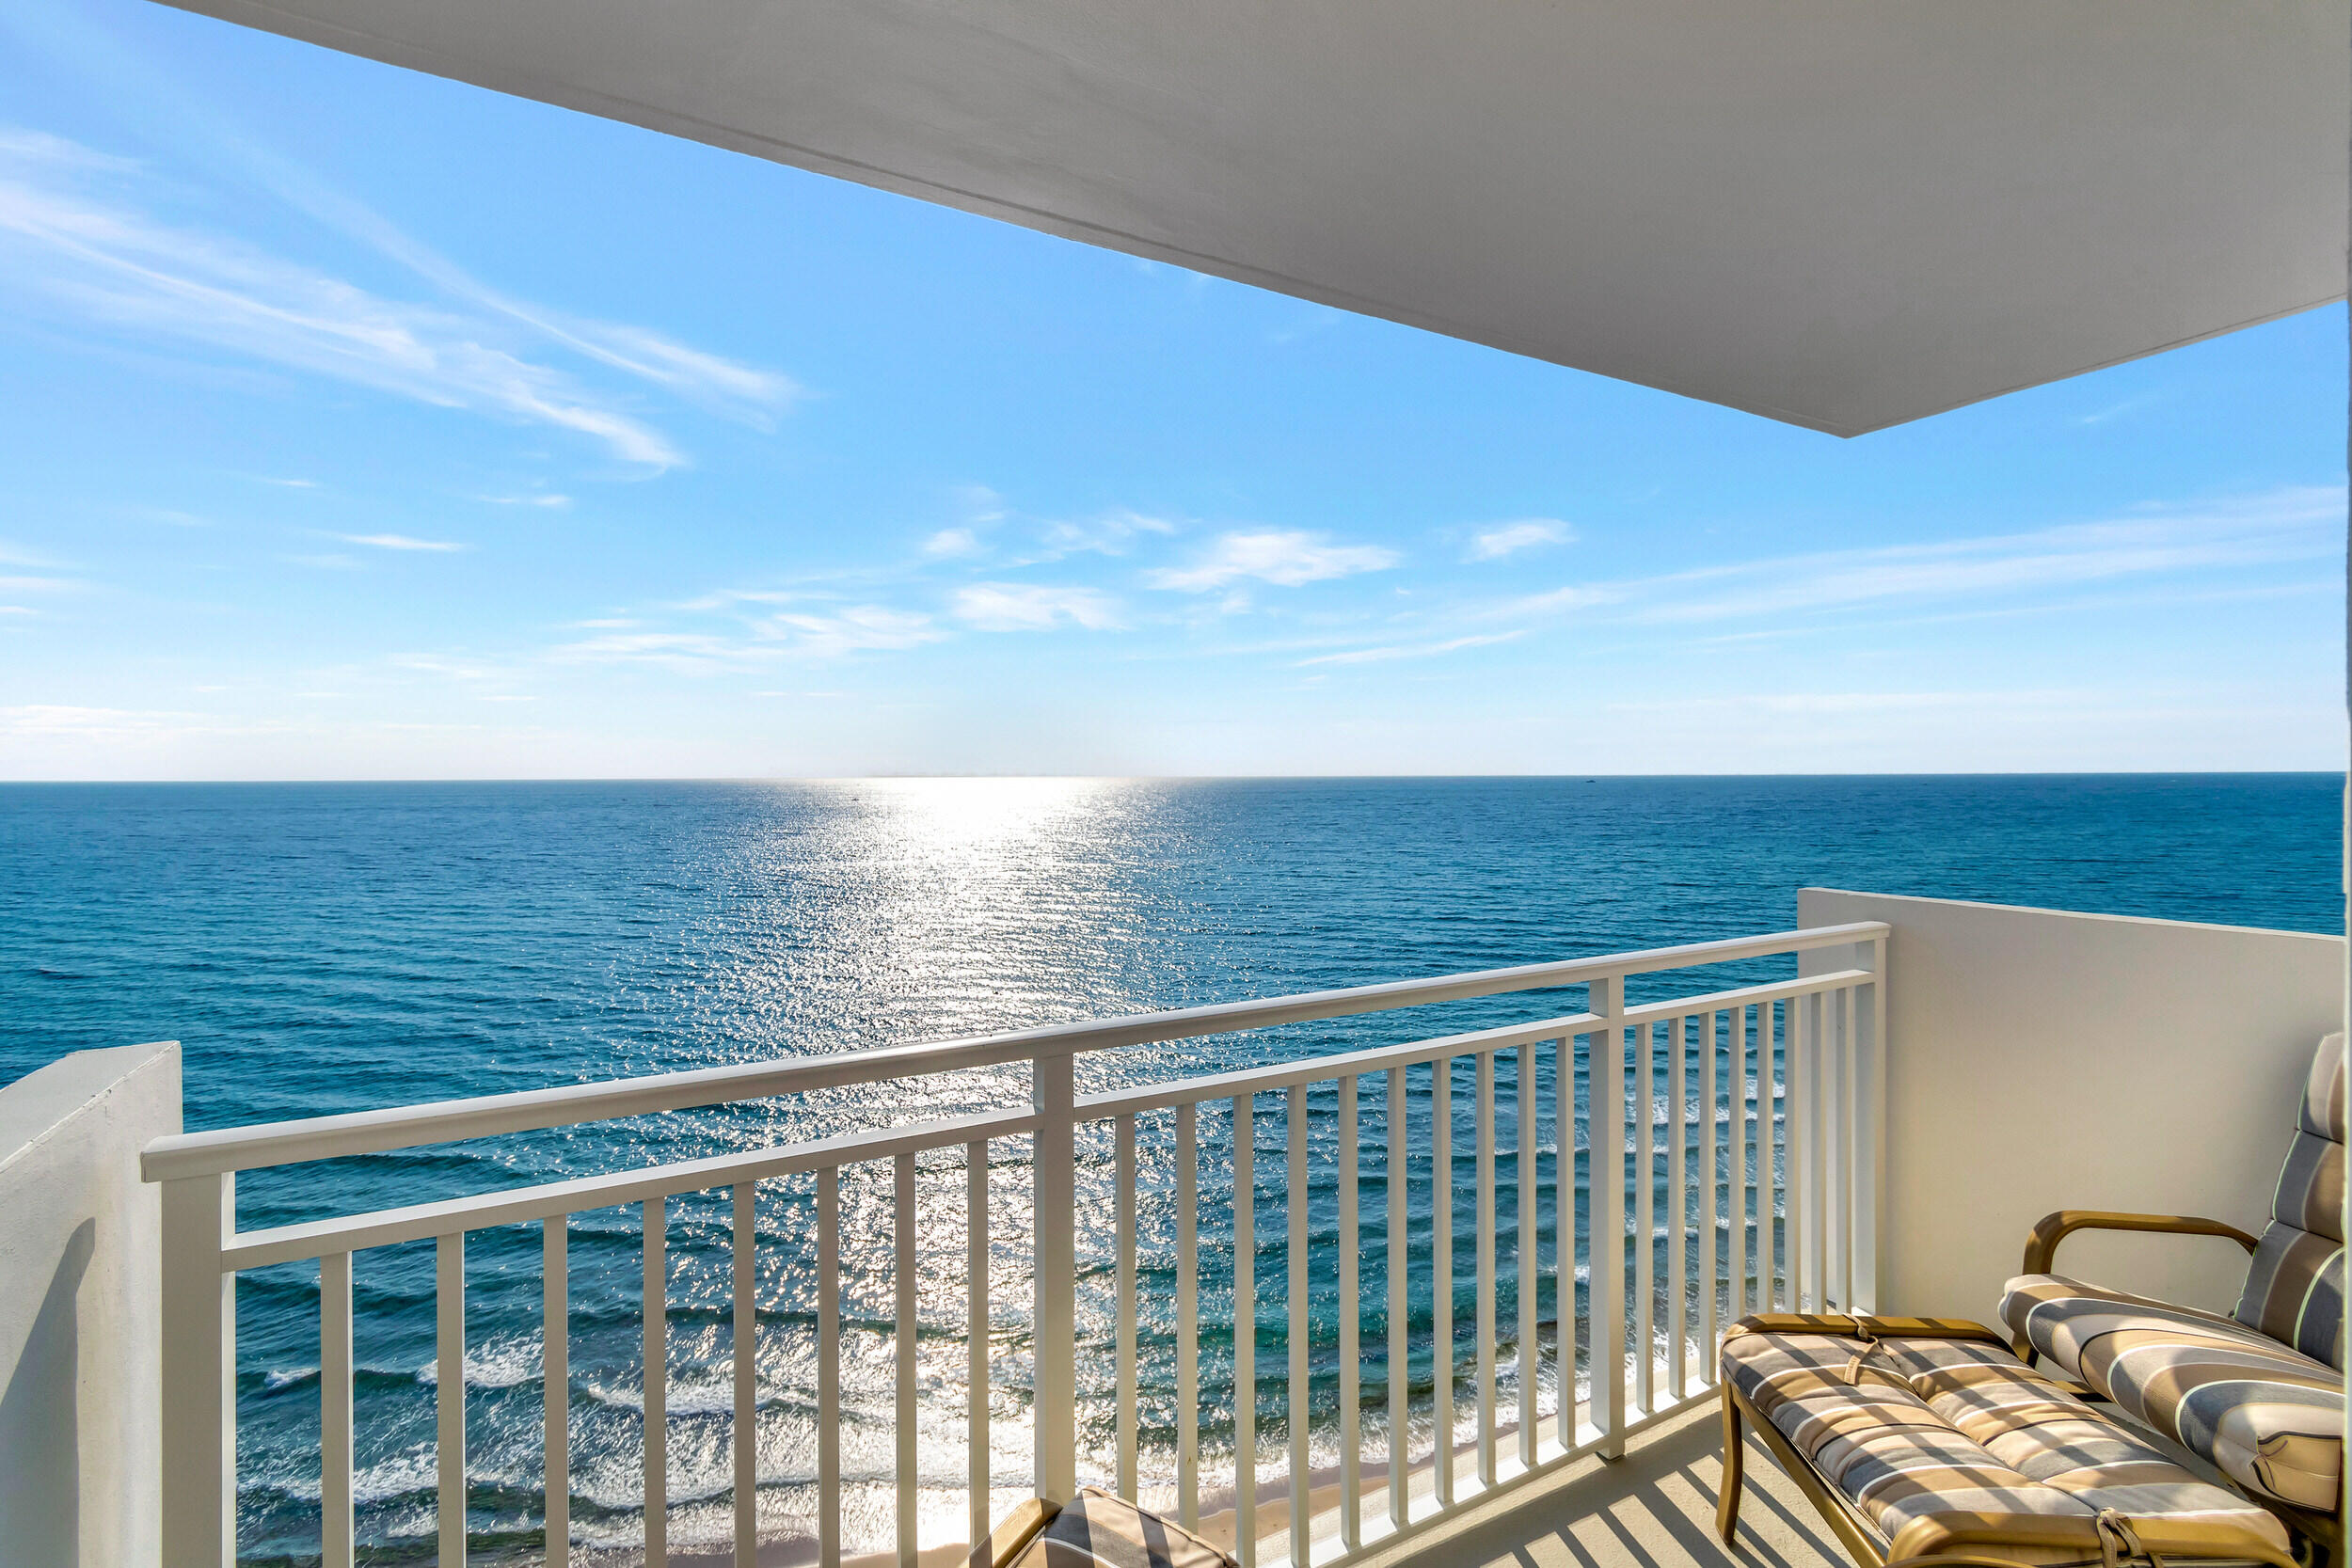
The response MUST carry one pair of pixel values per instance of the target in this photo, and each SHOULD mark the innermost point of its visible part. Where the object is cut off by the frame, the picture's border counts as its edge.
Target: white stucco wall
(79, 1330)
(2038, 1060)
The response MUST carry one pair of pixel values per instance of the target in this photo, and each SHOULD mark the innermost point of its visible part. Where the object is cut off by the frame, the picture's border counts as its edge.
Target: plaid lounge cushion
(1938, 1442)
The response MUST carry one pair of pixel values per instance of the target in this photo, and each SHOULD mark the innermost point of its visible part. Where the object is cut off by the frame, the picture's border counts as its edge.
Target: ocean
(331, 947)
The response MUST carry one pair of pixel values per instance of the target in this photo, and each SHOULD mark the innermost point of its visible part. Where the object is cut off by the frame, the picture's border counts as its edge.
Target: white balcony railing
(1748, 1118)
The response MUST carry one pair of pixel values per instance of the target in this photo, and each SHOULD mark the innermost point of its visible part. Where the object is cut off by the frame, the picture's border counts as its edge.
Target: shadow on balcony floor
(1653, 1509)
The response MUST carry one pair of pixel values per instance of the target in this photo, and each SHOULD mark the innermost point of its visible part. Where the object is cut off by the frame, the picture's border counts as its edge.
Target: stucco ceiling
(1843, 213)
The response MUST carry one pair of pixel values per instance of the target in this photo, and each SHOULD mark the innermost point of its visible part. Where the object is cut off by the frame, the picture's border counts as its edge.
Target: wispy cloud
(1414, 650)
(1526, 534)
(77, 230)
(1287, 559)
(2279, 527)
(981, 505)
(450, 669)
(681, 653)
(18, 554)
(950, 542)
(2117, 410)
(761, 644)
(401, 542)
(854, 629)
(549, 501)
(1112, 533)
(1032, 607)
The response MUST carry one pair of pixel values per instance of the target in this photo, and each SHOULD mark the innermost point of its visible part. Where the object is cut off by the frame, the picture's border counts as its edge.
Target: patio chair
(2258, 1394)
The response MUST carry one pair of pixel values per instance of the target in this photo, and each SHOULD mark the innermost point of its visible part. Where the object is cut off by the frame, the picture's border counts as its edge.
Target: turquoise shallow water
(321, 948)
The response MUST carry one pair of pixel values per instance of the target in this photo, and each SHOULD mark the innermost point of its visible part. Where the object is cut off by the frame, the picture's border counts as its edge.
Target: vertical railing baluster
(1397, 1375)
(978, 1453)
(449, 1335)
(1351, 1313)
(335, 1519)
(1526, 1225)
(903, 1342)
(1792, 1083)
(1563, 1309)
(1298, 1387)
(1244, 1332)
(976, 1442)
(1187, 1321)
(1643, 1346)
(829, 1367)
(657, 1315)
(1678, 1218)
(1849, 1126)
(555, 1385)
(1710, 1091)
(746, 1433)
(1830, 1051)
(1797, 1083)
(1748, 1160)
(1605, 1138)
(1870, 1121)
(1441, 1276)
(198, 1402)
(1484, 1243)
(1837, 1123)
(1816, 1272)
(1123, 1157)
(1055, 1215)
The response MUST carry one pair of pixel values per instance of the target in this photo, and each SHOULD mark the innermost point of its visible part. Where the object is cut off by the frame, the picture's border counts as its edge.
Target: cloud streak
(2281, 526)
(1508, 539)
(1033, 607)
(76, 232)
(1287, 559)
(399, 542)
(1414, 650)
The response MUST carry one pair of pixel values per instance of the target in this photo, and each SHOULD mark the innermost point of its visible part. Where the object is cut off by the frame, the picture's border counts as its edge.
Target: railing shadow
(1653, 1509)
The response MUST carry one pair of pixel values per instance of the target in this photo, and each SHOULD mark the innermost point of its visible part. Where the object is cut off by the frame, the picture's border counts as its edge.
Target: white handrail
(292, 1243)
(285, 1143)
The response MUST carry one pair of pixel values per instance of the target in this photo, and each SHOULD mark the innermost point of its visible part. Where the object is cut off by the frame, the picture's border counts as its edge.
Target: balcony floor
(1653, 1509)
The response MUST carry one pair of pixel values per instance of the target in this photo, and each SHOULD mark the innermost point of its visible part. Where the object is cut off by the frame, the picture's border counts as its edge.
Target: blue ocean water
(322, 948)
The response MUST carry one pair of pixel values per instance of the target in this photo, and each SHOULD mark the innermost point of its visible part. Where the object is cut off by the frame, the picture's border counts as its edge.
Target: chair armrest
(2041, 1246)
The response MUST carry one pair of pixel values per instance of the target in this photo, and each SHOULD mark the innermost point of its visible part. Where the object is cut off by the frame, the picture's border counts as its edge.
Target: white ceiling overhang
(1843, 213)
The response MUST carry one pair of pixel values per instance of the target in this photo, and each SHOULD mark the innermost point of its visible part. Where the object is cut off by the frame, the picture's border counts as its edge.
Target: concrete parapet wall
(2038, 1060)
(80, 1335)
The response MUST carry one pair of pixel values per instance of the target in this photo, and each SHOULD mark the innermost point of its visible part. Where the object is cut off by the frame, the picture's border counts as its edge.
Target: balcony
(919, 1323)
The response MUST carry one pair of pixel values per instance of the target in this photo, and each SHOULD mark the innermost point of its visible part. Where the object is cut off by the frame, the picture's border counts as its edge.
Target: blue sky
(359, 424)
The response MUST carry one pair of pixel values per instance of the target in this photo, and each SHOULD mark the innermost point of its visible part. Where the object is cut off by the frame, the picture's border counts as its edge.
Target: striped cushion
(2294, 1289)
(1940, 1444)
(2268, 1416)
(1099, 1531)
